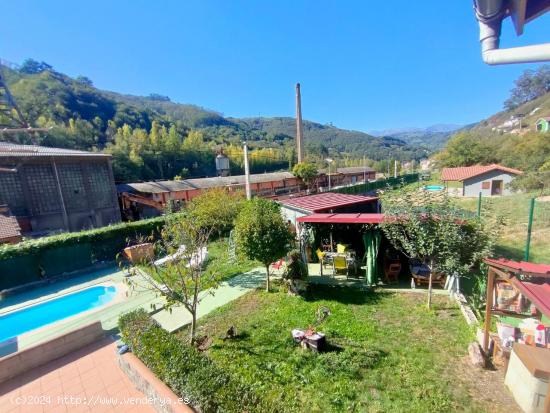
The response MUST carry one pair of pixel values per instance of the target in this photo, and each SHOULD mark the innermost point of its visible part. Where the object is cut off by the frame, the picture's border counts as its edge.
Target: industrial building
(49, 189)
(146, 199)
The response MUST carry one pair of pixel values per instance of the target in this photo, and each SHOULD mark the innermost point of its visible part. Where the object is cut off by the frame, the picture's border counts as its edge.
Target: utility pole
(247, 173)
(364, 169)
(329, 160)
(395, 169)
(529, 226)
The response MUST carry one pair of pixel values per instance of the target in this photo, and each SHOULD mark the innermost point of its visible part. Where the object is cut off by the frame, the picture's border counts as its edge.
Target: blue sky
(397, 64)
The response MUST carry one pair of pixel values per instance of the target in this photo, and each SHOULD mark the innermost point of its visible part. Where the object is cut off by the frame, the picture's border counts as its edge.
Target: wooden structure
(532, 280)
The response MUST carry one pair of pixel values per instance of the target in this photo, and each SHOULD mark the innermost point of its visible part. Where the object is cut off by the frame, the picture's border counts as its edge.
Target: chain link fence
(526, 231)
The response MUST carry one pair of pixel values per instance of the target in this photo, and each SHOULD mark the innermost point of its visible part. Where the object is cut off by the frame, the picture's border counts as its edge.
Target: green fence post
(479, 205)
(529, 226)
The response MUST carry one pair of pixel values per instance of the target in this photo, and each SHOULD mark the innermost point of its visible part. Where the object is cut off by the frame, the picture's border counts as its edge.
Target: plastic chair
(339, 263)
(341, 248)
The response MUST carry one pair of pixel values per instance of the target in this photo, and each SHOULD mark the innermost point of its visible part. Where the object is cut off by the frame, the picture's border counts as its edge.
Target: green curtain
(371, 239)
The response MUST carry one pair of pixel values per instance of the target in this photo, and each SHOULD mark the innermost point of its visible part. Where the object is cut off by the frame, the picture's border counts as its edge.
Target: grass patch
(515, 209)
(218, 250)
(388, 352)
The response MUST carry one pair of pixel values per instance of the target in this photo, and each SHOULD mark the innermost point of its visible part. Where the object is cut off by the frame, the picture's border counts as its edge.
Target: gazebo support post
(488, 307)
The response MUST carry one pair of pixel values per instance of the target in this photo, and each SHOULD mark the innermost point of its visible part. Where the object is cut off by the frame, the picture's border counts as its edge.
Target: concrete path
(228, 291)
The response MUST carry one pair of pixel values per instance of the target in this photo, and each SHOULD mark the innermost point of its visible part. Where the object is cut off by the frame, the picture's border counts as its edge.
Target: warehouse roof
(202, 183)
(354, 170)
(16, 150)
(326, 201)
(465, 172)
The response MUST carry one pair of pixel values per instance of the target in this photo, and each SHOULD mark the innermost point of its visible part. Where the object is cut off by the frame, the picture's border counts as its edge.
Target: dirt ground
(487, 387)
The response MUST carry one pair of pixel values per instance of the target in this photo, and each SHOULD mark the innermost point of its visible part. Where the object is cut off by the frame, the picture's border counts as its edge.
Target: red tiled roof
(343, 218)
(519, 266)
(464, 172)
(9, 227)
(326, 201)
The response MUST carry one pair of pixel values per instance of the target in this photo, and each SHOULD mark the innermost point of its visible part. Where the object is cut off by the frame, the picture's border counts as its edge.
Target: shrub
(106, 241)
(188, 372)
(32, 260)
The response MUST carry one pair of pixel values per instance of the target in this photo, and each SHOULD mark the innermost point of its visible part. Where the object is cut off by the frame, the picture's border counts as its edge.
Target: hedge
(188, 372)
(380, 184)
(40, 258)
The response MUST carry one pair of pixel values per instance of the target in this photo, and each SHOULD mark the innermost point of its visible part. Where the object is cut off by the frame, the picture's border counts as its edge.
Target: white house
(490, 180)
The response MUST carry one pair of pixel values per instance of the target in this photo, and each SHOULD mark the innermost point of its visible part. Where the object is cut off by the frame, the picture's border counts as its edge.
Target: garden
(380, 350)
(385, 352)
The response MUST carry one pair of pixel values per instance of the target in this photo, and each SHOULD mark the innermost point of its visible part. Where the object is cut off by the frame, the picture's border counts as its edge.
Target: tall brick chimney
(299, 133)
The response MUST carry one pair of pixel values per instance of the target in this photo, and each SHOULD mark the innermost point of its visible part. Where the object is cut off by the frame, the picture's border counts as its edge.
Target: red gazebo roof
(343, 218)
(326, 201)
(520, 266)
(537, 293)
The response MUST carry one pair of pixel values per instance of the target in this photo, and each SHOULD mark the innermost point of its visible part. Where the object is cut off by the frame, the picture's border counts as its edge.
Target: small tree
(306, 171)
(216, 209)
(261, 233)
(428, 227)
(181, 279)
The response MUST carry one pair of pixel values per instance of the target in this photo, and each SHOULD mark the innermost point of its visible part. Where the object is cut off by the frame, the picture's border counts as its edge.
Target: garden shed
(487, 180)
(543, 124)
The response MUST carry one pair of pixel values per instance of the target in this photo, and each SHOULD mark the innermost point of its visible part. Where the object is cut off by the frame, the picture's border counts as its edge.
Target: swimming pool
(434, 187)
(30, 318)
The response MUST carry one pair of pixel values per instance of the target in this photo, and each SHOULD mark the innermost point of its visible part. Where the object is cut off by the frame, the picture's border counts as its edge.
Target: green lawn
(515, 210)
(388, 352)
(218, 250)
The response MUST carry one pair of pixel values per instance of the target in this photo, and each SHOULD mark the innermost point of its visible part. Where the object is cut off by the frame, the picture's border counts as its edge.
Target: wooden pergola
(533, 281)
(513, 272)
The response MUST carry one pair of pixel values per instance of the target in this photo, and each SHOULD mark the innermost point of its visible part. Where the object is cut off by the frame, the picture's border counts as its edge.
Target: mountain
(434, 136)
(49, 98)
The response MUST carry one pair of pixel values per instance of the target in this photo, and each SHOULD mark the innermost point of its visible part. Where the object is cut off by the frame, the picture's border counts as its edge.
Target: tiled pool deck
(87, 380)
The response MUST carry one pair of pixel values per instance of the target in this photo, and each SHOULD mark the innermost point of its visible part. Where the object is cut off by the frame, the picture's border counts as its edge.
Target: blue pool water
(39, 315)
(434, 187)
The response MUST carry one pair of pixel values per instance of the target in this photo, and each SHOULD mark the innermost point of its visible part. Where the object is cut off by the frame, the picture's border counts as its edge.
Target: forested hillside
(152, 137)
(434, 136)
(504, 139)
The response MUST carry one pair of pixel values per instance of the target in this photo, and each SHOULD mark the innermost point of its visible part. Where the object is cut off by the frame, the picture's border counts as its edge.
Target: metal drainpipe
(60, 192)
(490, 14)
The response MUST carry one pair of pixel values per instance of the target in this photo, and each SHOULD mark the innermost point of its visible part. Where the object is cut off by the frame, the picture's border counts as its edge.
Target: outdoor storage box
(527, 376)
(140, 252)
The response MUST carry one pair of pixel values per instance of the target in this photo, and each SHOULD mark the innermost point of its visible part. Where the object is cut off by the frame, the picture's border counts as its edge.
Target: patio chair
(341, 248)
(322, 256)
(340, 264)
(277, 265)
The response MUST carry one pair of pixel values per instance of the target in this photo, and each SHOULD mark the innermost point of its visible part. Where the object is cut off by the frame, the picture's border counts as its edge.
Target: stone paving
(87, 380)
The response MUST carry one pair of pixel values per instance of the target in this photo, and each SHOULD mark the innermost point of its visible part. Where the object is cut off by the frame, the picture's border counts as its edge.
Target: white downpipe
(490, 14)
(524, 54)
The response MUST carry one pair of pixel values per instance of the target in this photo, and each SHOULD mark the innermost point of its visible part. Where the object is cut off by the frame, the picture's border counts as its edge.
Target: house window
(486, 185)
